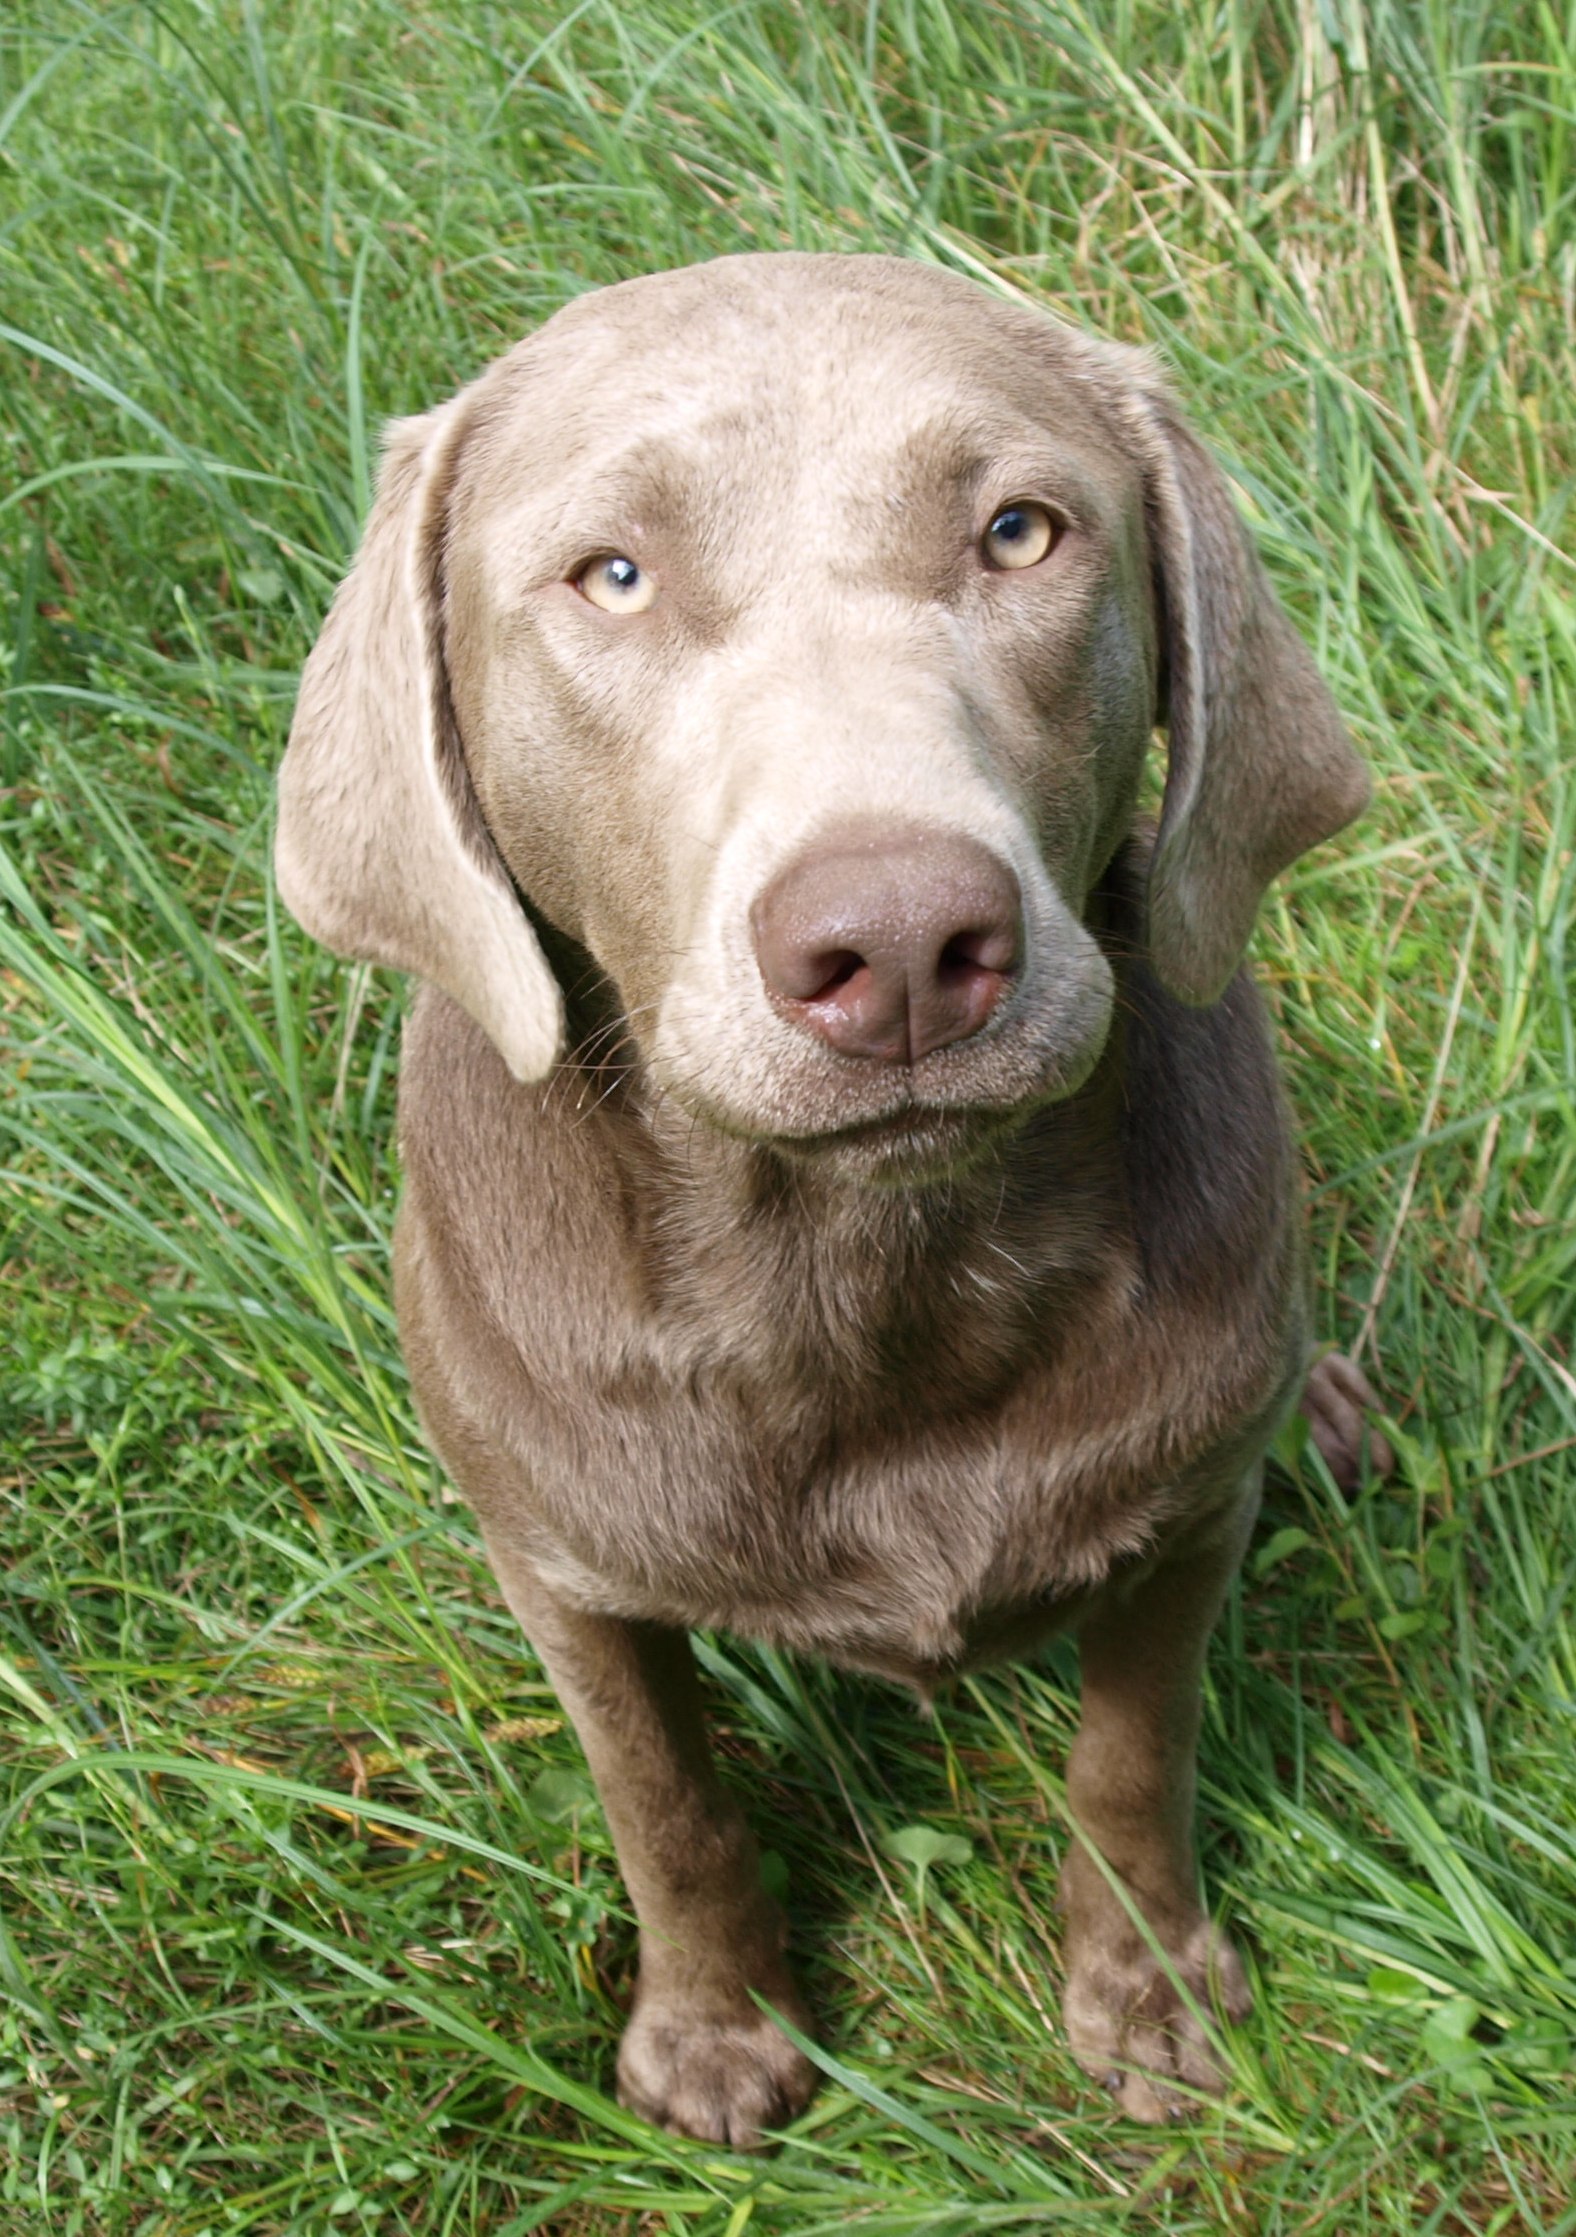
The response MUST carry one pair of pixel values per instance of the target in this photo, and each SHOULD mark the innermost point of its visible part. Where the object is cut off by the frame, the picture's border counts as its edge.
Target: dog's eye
(616, 584)
(1019, 536)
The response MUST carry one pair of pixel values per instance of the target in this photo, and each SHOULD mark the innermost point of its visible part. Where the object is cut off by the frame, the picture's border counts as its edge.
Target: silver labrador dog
(847, 1194)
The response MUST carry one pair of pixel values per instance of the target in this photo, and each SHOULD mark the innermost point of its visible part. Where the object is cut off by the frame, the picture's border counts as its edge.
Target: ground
(310, 1921)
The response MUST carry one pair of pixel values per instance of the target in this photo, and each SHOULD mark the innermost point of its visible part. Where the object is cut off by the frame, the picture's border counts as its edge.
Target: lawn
(310, 1922)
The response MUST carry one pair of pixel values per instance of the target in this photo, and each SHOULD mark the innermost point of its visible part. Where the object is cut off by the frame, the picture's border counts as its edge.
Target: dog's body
(905, 1264)
(911, 1431)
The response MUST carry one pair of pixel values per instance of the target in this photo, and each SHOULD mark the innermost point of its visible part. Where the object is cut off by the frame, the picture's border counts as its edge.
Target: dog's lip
(917, 1118)
(909, 1118)
(910, 1123)
(945, 1103)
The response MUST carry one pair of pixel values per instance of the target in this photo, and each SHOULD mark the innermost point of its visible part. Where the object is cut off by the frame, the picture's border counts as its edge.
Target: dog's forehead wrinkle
(860, 408)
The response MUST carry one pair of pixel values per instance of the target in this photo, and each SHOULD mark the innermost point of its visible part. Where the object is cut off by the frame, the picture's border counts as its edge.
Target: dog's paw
(1338, 1401)
(1129, 2026)
(723, 2080)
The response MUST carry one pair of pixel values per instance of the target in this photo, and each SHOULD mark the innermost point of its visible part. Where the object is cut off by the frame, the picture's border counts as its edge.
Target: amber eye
(1019, 536)
(616, 584)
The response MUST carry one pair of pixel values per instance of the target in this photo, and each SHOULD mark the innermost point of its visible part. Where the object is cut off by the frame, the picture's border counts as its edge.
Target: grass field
(309, 1922)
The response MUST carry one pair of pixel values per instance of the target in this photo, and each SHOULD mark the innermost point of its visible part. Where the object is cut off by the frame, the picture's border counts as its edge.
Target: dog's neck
(1164, 1177)
(931, 1291)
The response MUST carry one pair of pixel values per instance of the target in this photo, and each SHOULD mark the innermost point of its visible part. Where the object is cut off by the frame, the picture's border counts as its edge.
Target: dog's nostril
(890, 941)
(839, 969)
(993, 948)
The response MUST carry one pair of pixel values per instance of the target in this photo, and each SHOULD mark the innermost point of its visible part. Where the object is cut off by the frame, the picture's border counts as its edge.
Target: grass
(309, 1922)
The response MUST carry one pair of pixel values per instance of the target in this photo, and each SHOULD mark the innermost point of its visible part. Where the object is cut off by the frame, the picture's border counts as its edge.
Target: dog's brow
(967, 451)
(665, 486)
(669, 485)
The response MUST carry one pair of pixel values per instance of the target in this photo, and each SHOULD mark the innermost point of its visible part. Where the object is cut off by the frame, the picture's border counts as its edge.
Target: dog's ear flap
(382, 851)
(1260, 766)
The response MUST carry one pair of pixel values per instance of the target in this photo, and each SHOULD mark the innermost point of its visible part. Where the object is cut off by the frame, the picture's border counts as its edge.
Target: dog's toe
(725, 2080)
(1339, 1401)
(1130, 2025)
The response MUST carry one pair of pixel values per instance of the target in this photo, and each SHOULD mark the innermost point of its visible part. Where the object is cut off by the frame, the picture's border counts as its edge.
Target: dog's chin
(896, 1136)
(912, 1148)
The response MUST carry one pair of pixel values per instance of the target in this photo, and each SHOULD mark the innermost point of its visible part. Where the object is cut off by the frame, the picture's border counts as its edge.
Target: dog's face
(714, 634)
(792, 630)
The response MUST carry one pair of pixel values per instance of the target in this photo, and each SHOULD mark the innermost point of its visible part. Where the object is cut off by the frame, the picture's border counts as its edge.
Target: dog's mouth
(916, 1142)
(900, 1126)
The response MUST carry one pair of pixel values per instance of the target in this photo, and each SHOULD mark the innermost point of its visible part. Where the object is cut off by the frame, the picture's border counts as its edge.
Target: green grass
(308, 1924)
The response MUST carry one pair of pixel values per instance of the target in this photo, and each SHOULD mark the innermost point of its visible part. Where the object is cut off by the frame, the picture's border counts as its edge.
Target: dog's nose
(889, 943)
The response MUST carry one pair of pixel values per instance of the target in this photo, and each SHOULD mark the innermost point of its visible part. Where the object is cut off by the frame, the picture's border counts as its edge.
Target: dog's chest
(898, 1437)
(907, 1557)
(912, 1521)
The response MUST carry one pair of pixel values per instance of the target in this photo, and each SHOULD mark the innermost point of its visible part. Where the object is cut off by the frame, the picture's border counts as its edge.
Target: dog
(848, 1199)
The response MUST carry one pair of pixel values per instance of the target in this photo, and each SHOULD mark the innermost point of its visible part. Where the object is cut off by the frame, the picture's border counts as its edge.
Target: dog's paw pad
(1339, 1401)
(1130, 2026)
(724, 2080)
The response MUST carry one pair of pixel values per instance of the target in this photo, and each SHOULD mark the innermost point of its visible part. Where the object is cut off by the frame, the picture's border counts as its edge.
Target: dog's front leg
(699, 2055)
(1130, 1785)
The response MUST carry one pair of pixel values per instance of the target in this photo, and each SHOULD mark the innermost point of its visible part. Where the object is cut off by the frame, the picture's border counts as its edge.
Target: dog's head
(790, 631)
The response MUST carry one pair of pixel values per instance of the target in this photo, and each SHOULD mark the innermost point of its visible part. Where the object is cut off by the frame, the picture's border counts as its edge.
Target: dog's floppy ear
(382, 851)
(1260, 767)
